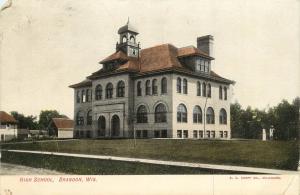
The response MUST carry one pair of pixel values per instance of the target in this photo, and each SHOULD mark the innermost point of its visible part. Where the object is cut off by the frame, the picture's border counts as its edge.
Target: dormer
(195, 59)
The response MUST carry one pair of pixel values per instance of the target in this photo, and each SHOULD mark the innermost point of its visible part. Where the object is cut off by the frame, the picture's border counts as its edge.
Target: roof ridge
(164, 44)
(188, 46)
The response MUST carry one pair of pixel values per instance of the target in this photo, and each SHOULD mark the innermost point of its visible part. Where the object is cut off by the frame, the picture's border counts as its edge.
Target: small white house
(61, 128)
(8, 127)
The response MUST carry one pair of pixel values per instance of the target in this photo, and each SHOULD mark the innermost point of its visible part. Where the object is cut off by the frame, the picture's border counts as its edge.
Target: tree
(249, 123)
(286, 120)
(235, 120)
(46, 117)
(25, 122)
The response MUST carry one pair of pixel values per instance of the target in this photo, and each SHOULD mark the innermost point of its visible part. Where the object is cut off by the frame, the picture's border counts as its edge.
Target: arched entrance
(101, 126)
(115, 125)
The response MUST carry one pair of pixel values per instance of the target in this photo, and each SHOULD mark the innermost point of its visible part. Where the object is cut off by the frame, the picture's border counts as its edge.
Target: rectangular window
(225, 93)
(78, 97)
(185, 134)
(221, 134)
(200, 134)
(145, 133)
(154, 89)
(77, 134)
(185, 86)
(157, 134)
(198, 66)
(138, 133)
(88, 134)
(225, 134)
(206, 66)
(81, 133)
(195, 134)
(202, 65)
(164, 133)
(179, 133)
(208, 134)
(213, 134)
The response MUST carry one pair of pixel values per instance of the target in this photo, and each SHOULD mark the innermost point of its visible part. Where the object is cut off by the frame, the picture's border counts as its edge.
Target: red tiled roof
(6, 118)
(85, 83)
(115, 56)
(159, 57)
(154, 59)
(190, 51)
(63, 123)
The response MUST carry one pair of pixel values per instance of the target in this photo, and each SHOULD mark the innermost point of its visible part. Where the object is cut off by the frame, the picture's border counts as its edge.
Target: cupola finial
(128, 20)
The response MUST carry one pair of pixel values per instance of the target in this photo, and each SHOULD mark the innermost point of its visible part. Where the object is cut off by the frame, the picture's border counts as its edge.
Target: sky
(45, 46)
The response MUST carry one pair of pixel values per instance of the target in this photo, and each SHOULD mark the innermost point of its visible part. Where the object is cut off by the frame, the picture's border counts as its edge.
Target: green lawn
(270, 154)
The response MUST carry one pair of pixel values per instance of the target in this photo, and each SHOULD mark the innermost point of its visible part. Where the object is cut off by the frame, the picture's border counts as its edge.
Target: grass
(255, 153)
(85, 166)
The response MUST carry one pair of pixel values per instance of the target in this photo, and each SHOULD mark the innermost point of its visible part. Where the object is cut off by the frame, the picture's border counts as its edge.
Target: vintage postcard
(149, 97)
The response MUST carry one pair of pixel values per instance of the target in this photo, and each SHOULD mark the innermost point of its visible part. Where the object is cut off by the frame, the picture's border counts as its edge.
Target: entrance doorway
(115, 125)
(101, 126)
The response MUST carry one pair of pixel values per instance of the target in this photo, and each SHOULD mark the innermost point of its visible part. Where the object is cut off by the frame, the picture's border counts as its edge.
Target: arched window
(160, 113)
(210, 116)
(109, 91)
(208, 90)
(164, 85)
(185, 86)
(79, 118)
(124, 39)
(154, 87)
(120, 89)
(89, 118)
(225, 93)
(198, 88)
(141, 114)
(220, 93)
(181, 113)
(139, 89)
(98, 93)
(83, 98)
(178, 85)
(78, 97)
(147, 87)
(87, 95)
(223, 116)
(132, 39)
(204, 89)
(197, 114)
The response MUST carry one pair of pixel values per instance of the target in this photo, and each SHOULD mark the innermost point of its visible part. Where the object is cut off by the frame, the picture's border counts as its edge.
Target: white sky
(47, 45)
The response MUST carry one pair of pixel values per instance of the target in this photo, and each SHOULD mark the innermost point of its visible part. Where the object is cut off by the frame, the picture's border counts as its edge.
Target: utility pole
(299, 137)
(134, 133)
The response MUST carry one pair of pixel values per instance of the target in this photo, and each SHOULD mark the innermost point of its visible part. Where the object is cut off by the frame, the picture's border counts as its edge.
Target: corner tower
(127, 42)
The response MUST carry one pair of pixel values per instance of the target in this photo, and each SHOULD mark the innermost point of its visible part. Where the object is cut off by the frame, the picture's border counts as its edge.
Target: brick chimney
(205, 44)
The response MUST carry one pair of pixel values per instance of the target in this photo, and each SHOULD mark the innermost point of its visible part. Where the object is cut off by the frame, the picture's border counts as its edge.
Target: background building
(161, 92)
(8, 127)
(61, 128)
